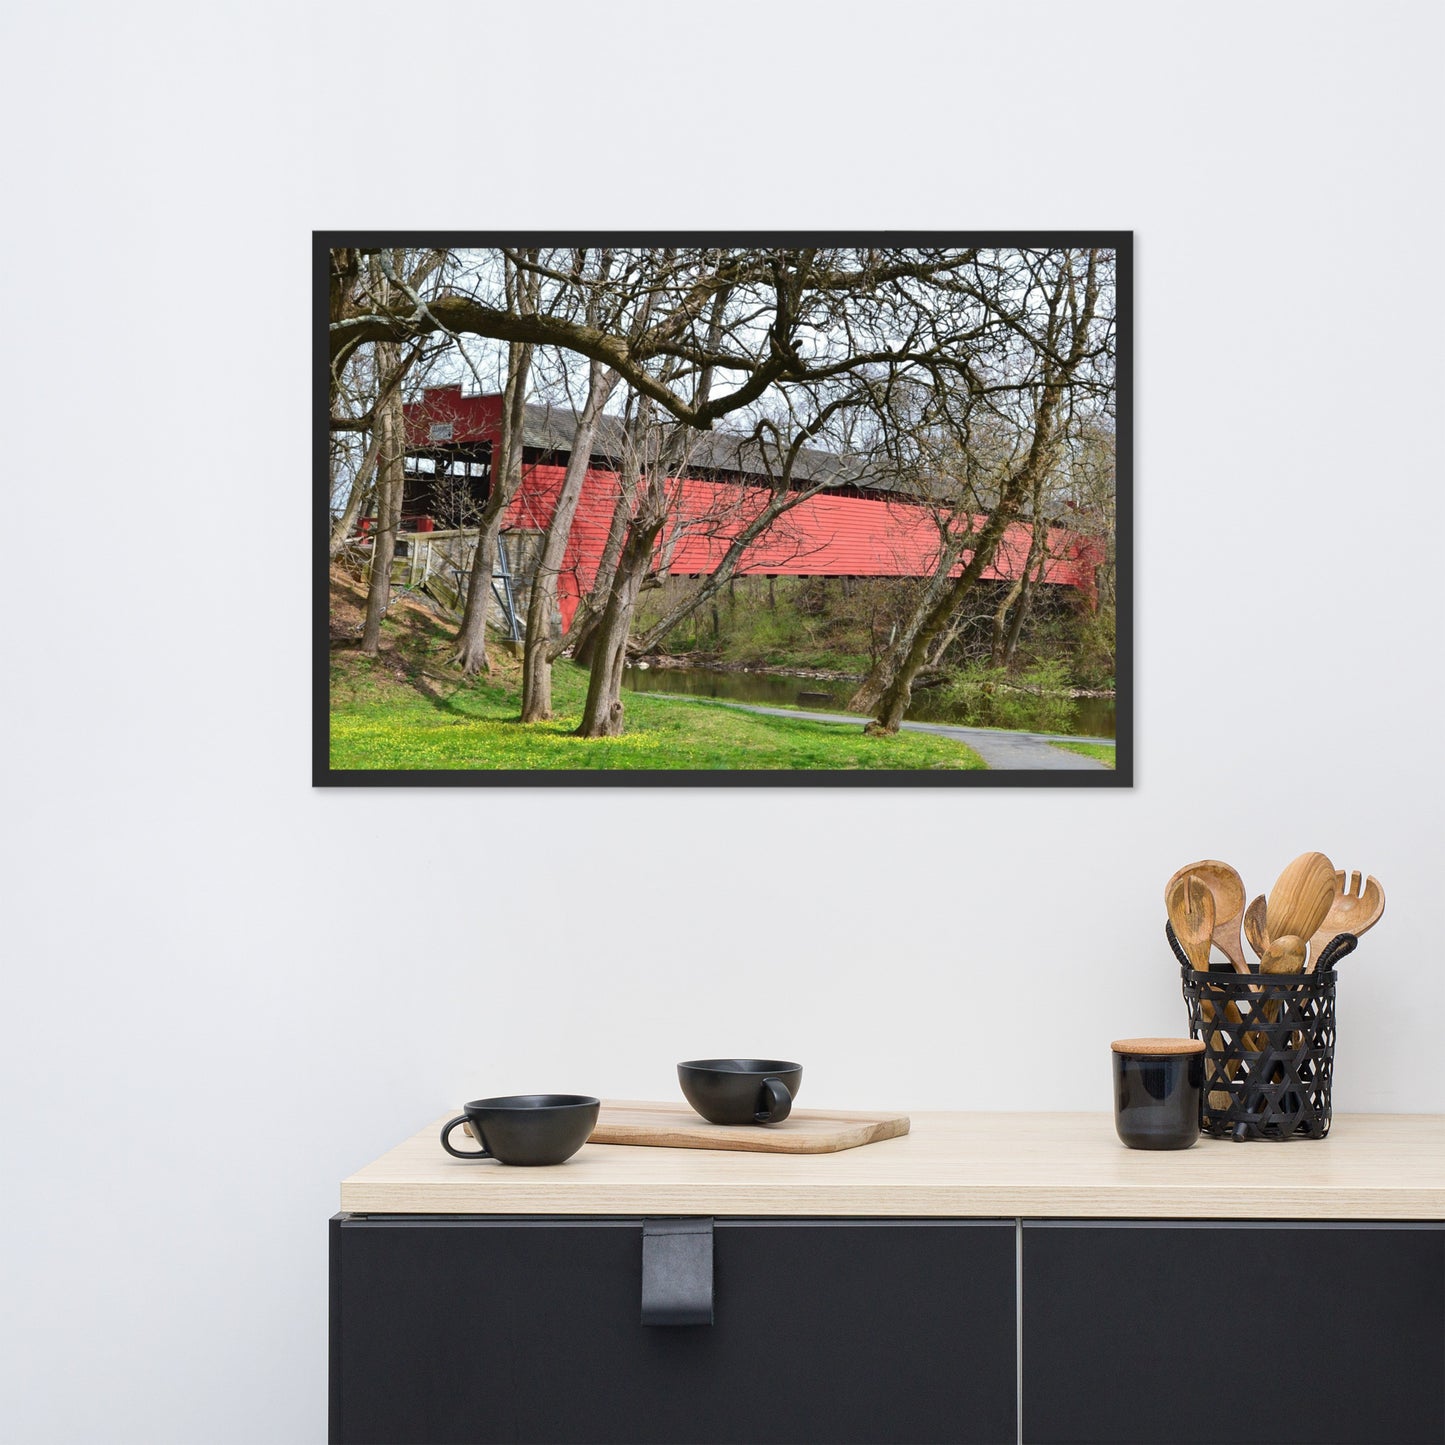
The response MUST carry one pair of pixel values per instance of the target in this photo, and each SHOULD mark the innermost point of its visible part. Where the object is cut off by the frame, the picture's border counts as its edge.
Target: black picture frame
(1121, 242)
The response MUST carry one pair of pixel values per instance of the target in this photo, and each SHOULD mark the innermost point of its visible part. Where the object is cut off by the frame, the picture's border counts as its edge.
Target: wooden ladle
(1228, 890)
(1300, 898)
(1353, 909)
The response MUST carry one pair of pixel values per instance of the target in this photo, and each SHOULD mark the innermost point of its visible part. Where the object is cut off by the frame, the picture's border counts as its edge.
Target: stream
(1093, 716)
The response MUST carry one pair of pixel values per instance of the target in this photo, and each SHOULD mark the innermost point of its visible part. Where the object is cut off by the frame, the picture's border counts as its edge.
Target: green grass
(1100, 752)
(405, 710)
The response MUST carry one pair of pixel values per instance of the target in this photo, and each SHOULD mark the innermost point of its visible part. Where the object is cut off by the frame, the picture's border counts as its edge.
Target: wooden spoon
(1228, 890)
(1300, 898)
(1256, 926)
(1353, 909)
(1284, 955)
(1281, 955)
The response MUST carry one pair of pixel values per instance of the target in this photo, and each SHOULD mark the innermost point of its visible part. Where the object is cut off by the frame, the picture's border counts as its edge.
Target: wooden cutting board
(804, 1131)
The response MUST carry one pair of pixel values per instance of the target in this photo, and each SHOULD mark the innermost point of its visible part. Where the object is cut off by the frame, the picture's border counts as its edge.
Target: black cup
(1158, 1089)
(526, 1128)
(741, 1091)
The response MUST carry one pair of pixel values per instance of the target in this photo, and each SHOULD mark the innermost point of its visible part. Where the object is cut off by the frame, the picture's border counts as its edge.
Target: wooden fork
(1355, 908)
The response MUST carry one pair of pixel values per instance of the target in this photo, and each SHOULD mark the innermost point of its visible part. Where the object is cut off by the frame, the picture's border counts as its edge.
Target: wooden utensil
(1256, 928)
(1191, 914)
(1283, 955)
(1228, 890)
(1301, 897)
(1353, 909)
(1191, 910)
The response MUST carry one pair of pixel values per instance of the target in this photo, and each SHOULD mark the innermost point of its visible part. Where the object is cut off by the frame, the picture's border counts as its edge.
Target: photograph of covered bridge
(731, 513)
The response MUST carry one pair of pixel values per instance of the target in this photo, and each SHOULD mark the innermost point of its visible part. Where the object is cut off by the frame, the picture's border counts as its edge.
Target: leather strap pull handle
(776, 1102)
(447, 1128)
(677, 1272)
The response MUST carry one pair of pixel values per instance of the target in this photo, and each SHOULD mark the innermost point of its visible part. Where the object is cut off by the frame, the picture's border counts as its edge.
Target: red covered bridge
(852, 530)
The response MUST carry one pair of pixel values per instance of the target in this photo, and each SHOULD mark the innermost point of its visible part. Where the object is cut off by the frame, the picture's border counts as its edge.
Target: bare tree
(359, 488)
(523, 292)
(1017, 602)
(366, 398)
(602, 712)
(538, 656)
(1042, 308)
(390, 463)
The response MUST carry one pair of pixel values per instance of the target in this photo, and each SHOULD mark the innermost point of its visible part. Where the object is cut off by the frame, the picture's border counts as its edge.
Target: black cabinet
(488, 1329)
(449, 1329)
(1145, 1331)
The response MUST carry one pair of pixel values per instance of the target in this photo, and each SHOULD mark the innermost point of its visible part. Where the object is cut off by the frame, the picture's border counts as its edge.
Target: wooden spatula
(1191, 911)
(1353, 909)
(1191, 914)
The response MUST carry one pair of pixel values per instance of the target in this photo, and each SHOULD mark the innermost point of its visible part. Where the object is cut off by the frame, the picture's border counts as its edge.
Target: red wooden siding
(826, 536)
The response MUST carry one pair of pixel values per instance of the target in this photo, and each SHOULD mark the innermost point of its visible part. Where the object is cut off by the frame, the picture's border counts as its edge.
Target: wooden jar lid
(1158, 1048)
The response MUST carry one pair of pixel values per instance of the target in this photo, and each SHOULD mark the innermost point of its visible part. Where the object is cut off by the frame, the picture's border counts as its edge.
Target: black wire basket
(1269, 1046)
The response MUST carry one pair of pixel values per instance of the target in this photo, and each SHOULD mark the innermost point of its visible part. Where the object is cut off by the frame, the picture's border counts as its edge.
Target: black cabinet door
(477, 1330)
(1329, 1334)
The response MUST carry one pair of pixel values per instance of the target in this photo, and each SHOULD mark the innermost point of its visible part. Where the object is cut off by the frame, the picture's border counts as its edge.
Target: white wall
(215, 1006)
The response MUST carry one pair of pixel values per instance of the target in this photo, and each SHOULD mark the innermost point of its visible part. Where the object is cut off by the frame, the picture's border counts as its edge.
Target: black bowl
(741, 1091)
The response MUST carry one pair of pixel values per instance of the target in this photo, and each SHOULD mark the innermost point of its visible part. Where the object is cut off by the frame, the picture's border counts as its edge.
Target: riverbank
(407, 710)
(712, 662)
(1013, 706)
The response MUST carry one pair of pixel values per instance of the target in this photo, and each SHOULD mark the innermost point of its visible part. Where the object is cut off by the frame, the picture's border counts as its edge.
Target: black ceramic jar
(1158, 1084)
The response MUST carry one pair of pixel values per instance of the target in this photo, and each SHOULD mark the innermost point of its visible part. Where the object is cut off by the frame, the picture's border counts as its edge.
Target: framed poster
(715, 508)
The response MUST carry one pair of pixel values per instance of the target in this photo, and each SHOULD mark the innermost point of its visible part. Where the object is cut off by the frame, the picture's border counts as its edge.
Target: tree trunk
(1021, 616)
(885, 666)
(998, 649)
(471, 653)
(893, 703)
(344, 525)
(471, 635)
(537, 659)
(945, 639)
(390, 456)
(588, 621)
(1005, 634)
(602, 717)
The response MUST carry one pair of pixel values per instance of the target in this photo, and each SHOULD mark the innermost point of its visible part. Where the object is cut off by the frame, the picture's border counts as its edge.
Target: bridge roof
(473, 418)
(551, 428)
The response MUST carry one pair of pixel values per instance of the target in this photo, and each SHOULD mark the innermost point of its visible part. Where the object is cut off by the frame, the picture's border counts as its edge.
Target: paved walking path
(998, 748)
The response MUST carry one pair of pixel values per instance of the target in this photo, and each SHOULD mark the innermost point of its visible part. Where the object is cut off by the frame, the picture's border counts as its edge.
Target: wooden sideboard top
(1372, 1166)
